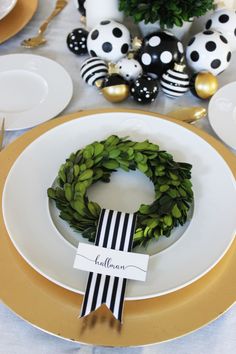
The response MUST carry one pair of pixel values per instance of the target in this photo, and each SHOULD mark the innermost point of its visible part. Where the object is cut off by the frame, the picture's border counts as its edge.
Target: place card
(106, 261)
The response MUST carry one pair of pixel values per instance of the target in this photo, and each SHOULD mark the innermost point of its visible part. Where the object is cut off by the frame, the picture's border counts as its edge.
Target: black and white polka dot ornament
(145, 89)
(77, 41)
(110, 41)
(224, 21)
(129, 69)
(208, 51)
(159, 51)
(93, 69)
(175, 82)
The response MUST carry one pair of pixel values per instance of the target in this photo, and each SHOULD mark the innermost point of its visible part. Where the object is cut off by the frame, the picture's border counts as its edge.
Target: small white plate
(222, 114)
(203, 243)
(6, 6)
(33, 89)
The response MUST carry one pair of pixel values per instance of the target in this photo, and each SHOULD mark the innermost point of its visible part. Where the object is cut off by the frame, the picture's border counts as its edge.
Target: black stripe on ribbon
(115, 230)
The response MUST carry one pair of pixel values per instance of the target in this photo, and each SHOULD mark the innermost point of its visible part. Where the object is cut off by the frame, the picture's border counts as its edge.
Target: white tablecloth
(17, 336)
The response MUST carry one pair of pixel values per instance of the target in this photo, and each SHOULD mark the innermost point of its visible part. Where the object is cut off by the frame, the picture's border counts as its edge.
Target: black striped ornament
(93, 69)
(175, 82)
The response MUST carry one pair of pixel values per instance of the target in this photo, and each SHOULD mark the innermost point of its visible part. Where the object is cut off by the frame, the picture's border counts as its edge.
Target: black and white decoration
(208, 51)
(224, 21)
(129, 69)
(175, 82)
(115, 230)
(93, 69)
(110, 41)
(77, 41)
(159, 51)
(145, 89)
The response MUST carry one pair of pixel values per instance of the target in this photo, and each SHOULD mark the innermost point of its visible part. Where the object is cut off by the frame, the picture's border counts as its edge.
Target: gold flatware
(2, 132)
(40, 39)
(188, 114)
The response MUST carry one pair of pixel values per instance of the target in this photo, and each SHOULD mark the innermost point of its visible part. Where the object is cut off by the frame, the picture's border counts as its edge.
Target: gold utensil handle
(2, 132)
(188, 114)
(60, 4)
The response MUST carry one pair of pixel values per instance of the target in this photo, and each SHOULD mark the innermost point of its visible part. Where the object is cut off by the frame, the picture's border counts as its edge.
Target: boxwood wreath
(97, 161)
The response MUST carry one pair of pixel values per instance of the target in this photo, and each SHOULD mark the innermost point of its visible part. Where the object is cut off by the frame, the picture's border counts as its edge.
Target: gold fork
(2, 132)
(40, 39)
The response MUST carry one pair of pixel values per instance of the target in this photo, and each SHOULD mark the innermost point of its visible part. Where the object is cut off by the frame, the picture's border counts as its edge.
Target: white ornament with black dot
(175, 82)
(224, 21)
(129, 69)
(145, 89)
(208, 51)
(109, 41)
(93, 69)
(77, 41)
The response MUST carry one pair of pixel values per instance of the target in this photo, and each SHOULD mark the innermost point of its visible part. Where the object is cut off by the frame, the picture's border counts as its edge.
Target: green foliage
(96, 162)
(167, 12)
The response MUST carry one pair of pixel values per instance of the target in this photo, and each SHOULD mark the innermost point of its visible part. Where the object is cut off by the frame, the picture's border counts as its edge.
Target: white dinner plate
(206, 239)
(222, 114)
(33, 89)
(6, 6)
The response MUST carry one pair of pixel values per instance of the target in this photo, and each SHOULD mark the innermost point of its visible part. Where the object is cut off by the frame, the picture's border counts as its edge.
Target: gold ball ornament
(203, 85)
(114, 88)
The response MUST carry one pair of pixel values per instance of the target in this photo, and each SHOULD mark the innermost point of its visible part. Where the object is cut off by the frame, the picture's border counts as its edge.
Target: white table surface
(17, 336)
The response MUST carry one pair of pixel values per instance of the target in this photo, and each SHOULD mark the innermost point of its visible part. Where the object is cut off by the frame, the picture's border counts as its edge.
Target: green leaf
(86, 175)
(68, 191)
(114, 153)
(176, 212)
(111, 164)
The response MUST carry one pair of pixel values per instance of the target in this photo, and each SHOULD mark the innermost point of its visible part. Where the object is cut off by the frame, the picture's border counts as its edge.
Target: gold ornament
(188, 114)
(112, 68)
(115, 88)
(117, 93)
(204, 85)
(136, 44)
(83, 20)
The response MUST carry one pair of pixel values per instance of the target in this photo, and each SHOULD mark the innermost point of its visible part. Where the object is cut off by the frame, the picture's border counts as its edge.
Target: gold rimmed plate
(55, 310)
(17, 19)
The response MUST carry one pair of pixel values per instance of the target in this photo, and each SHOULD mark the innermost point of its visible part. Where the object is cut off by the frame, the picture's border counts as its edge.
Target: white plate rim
(211, 114)
(164, 252)
(13, 4)
(53, 104)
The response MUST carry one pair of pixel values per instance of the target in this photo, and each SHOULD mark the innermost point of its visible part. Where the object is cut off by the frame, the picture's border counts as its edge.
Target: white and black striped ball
(93, 69)
(174, 83)
(109, 40)
(77, 41)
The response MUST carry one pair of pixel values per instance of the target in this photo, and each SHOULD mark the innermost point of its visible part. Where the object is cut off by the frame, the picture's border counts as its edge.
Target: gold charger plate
(17, 18)
(55, 310)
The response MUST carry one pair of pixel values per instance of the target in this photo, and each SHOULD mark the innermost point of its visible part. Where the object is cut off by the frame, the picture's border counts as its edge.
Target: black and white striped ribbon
(115, 230)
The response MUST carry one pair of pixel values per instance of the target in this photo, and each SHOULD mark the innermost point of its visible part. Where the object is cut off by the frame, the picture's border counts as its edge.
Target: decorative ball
(175, 82)
(129, 69)
(208, 51)
(110, 41)
(115, 88)
(81, 7)
(224, 21)
(203, 85)
(77, 41)
(159, 51)
(145, 89)
(93, 69)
